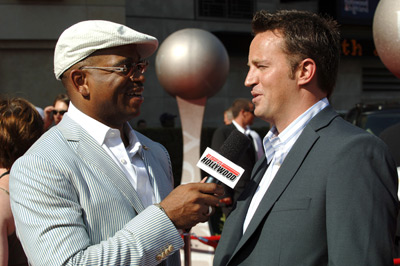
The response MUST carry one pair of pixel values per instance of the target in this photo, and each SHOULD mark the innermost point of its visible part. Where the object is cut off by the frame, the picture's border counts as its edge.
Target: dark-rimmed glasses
(127, 70)
(61, 112)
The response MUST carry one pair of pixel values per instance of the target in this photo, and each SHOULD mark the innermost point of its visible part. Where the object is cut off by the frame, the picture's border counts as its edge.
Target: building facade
(30, 28)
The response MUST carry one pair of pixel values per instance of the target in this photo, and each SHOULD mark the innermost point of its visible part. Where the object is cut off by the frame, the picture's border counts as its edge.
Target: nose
(251, 79)
(138, 78)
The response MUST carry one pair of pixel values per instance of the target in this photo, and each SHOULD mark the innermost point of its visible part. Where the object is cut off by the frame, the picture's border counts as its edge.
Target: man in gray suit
(326, 193)
(92, 191)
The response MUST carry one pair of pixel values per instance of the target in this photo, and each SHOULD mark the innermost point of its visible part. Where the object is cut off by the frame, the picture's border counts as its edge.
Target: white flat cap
(82, 39)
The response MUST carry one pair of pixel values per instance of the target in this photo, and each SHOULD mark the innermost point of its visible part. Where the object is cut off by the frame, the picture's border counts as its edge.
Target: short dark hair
(240, 104)
(20, 126)
(306, 35)
(62, 97)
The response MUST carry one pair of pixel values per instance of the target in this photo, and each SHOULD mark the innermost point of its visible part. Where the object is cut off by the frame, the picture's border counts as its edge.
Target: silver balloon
(192, 64)
(386, 34)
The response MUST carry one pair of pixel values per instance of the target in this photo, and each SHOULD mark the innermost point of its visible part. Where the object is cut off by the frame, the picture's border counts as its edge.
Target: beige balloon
(192, 65)
(386, 34)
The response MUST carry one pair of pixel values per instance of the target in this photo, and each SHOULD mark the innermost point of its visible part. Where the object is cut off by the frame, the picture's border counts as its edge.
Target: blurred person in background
(228, 116)
(167, 120)
(20, 126)
(141, 124)
(54, 113)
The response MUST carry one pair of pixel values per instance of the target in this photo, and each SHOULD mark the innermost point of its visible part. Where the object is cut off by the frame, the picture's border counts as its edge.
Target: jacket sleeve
(51, 222)
(361, 204)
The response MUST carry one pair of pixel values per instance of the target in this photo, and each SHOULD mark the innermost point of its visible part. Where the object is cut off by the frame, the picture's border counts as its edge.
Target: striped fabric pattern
(76, 207)
(278, 144)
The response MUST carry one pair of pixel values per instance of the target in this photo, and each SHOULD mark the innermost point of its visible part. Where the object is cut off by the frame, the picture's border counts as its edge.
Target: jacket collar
(92, 153)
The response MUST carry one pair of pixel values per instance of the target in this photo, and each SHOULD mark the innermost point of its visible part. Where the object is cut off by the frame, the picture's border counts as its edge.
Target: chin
(134, 114)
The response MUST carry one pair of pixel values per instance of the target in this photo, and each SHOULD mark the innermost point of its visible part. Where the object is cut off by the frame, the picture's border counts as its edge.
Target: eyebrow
(124, 61)
(258, 61)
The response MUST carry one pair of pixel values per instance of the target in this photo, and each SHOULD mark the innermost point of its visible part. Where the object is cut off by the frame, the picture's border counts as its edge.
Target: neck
(124, 137)
(299, 104)
(240, 123)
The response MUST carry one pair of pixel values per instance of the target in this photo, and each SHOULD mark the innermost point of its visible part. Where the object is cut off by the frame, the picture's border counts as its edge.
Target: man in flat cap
(92, 191)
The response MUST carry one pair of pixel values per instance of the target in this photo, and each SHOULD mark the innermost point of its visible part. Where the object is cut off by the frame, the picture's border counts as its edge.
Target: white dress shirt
(238, 127)
(256, 142)
(127, 158)
(277, 146)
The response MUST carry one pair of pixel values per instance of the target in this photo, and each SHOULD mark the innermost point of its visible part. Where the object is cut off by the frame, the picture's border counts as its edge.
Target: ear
(80, 82)
(306, 71)
(242, 113)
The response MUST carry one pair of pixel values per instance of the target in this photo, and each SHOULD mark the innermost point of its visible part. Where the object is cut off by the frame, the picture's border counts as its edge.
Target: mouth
(135, 94)
(255, 94)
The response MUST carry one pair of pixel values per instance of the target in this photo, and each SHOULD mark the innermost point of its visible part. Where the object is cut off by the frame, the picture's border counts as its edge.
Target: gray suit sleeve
(361, 191)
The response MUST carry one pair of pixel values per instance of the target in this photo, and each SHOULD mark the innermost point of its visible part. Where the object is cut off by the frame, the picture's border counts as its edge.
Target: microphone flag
(220, 168)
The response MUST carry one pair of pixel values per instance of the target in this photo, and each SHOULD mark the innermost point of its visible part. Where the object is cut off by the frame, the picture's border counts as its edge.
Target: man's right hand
(188, 205)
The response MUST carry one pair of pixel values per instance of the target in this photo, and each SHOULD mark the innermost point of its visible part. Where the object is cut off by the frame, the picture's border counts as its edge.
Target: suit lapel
(159, 192)
(91, 152)
(287, 171)
(161, 182)
(233, 228)
(281, 181)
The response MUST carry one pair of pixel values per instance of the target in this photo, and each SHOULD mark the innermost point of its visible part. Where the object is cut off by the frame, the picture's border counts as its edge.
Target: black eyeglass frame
(61, 112)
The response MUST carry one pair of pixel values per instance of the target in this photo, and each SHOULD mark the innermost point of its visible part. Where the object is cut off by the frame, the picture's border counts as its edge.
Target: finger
(207, 211)
(211, 188)
(210, 211)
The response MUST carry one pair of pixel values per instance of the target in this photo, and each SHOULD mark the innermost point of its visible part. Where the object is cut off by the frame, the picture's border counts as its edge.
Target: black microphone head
(234, 146)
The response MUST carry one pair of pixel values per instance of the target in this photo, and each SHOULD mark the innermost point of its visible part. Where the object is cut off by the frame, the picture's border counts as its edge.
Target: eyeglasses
(127, 70)
(61, 112)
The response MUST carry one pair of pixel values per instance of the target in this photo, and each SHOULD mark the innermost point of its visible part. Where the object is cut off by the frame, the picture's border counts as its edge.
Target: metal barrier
(187, 237)
(208, 240)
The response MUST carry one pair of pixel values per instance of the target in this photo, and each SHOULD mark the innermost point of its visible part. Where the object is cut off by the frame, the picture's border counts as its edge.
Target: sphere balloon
(386, 34)
(192, 64)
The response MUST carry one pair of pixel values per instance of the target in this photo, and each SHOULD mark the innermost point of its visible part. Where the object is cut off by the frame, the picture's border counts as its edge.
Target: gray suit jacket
(333, 202)
(73, 205)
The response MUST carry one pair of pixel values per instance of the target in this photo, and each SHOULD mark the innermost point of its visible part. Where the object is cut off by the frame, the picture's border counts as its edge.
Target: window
(226, 9)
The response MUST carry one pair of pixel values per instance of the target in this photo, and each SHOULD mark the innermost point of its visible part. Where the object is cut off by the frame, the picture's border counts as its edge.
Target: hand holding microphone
(189, 204)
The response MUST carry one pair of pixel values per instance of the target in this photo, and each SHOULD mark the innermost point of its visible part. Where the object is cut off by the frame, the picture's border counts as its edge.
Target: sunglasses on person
(61, 112)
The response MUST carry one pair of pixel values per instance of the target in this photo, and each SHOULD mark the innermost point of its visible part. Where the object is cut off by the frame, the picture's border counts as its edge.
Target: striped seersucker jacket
(74, 206)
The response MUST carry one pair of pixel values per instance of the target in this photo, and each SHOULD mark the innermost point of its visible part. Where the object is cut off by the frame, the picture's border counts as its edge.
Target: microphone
(232, 149)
